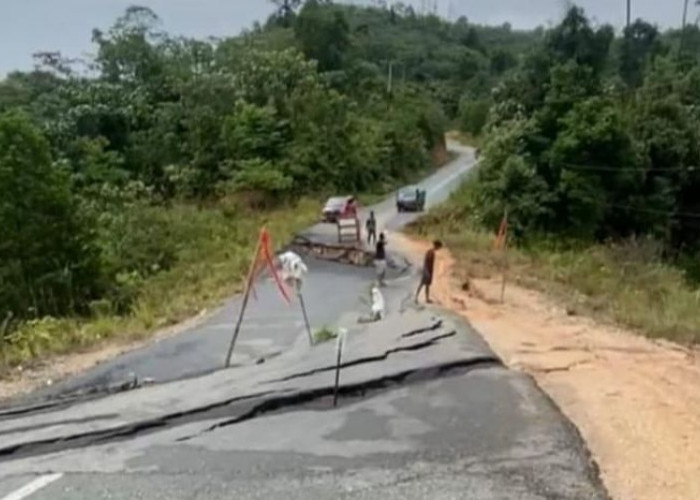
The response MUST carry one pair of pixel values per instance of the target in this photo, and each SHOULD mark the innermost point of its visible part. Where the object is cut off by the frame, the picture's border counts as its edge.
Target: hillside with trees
(132, 184)
(597, 137)
(592, 149)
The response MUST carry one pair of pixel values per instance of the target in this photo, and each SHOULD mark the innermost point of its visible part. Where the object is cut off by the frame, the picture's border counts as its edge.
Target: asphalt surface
(270, 327)
(425, 410)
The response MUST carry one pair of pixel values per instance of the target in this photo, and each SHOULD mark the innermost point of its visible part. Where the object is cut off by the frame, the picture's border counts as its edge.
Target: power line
(603, 168)
(690, 215)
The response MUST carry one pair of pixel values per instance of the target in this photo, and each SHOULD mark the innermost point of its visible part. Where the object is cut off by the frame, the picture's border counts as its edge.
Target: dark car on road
(410, 199)
(337, 208)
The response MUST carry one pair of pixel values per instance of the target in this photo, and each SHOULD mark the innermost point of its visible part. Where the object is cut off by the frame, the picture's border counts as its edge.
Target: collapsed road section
(375, 354)
(424, 407)
(425, 410)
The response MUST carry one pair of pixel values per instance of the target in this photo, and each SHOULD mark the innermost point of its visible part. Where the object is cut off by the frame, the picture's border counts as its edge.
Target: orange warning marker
(262, 257)
(501, 245)
(502, 236)
(266, 244)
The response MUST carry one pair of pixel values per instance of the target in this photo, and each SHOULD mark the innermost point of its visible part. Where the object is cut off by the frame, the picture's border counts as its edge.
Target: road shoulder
(41, 375)
(634, 400)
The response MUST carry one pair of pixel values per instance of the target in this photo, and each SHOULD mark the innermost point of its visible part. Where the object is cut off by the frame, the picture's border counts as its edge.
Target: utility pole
(391, 77)
(629, 12)
(681, 45)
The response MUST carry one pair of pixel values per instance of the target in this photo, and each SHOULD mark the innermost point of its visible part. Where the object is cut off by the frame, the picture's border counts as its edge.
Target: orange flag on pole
(266, 248)
(264, 258)
(263, 254)
(500, 242)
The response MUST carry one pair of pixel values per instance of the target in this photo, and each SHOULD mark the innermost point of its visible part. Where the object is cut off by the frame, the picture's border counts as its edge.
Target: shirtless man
(428, 271)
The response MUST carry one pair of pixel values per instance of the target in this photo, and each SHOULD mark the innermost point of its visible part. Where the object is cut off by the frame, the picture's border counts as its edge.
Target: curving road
(270, 327)
(438, 186)
(426, 410)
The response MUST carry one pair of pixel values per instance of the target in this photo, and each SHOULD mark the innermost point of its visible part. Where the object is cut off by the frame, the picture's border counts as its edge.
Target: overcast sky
(28, 26)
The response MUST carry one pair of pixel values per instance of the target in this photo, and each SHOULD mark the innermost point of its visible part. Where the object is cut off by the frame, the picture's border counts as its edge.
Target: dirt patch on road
(635, 401)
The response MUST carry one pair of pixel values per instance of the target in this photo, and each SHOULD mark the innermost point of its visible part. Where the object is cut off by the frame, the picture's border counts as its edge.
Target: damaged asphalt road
(425, 411)
(270, 327)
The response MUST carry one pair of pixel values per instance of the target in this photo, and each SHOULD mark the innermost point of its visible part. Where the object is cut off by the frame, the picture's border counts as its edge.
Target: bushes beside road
(628, 282)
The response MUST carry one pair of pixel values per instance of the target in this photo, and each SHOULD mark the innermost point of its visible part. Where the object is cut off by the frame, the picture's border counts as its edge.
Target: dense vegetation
(592, 148)
(597, 136)
(132, 185)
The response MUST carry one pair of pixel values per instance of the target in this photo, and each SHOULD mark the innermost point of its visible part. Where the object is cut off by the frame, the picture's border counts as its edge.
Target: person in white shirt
(293, 268)
(378, 305)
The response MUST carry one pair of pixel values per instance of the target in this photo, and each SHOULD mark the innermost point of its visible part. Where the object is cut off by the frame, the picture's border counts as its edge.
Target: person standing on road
(378, 306)
(371, 226)
(293, 269)
(428, 271)
(380, 259)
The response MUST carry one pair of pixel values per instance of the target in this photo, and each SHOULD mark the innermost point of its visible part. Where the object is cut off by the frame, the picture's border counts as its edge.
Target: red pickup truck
(339, 207)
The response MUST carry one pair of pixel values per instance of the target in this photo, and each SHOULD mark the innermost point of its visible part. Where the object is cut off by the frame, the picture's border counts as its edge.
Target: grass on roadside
(627, 283)
(325, 334)
(213, 254)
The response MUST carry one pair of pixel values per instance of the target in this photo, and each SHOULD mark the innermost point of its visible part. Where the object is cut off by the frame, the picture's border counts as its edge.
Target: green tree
(502, 60)
(575, 40)
(474, 114)
(286, 10)
(48, 263)
(129, 53)
(639, 44)
(324, 34)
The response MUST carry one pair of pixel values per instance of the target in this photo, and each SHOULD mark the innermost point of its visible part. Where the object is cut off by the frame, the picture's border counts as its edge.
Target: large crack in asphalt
(64, 399)
(83, 440)
(435, 326)
(87, 420)
(55, 402)
(352, 392)
(253, 406)
(90, 391)
(369, 359)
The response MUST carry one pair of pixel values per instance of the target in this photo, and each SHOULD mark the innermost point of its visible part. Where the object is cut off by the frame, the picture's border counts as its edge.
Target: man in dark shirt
(428, 270)
(380, 259)
(371, 229)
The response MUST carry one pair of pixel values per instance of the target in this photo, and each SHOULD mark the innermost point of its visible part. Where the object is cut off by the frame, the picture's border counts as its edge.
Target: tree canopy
(596, 137)
(93, 152)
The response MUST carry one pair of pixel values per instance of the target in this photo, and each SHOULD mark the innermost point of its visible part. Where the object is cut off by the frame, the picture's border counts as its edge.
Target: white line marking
(33, 487)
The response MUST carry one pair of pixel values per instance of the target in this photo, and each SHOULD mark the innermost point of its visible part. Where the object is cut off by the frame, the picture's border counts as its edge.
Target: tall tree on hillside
(575, 39)
(286, 10)
(126, 53)
(324, 34)
(639, 43)
(47, 260)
